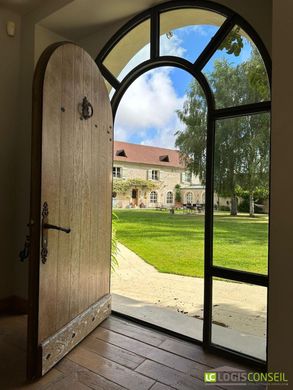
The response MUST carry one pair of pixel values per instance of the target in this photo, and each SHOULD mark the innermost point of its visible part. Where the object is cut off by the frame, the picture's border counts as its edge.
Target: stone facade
(166, 178)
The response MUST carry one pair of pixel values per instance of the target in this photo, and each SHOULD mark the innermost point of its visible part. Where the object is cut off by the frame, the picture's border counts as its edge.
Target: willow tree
(241, 143)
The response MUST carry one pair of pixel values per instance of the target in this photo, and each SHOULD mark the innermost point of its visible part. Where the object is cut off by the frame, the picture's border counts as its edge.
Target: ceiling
(21, 6)
(80, 18)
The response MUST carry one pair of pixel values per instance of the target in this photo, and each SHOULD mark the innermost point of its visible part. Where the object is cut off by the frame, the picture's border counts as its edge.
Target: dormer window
(164, 158)
(121, 153)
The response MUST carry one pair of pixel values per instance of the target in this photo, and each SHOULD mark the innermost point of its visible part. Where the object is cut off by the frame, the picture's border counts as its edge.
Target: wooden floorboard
(152, 353)
(110, 370)
(117, 355)
(134, 331)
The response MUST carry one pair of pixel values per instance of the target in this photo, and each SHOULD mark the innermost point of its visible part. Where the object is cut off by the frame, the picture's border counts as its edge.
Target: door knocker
(85, 109)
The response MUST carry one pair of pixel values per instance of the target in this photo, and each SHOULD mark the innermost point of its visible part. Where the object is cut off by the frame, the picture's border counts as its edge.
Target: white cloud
(172, 46)
(199, 29)
(148, 110)
(165, 136)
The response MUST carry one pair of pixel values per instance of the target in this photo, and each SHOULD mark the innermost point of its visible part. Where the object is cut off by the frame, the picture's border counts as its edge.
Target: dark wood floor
(117, 355)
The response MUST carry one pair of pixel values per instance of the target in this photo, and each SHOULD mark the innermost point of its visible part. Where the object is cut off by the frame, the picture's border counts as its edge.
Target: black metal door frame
(195, 69)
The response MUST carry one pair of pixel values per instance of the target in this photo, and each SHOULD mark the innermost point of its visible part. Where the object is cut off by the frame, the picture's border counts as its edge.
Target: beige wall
(281, 252)
(43, 39)
(9, 91)
(168, 179)
(22, 144)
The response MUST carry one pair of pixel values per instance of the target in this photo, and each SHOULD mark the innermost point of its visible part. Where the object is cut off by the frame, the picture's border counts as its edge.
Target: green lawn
(175, 243)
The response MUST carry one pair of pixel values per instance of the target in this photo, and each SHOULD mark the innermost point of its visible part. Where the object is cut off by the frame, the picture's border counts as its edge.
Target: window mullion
(215, 42)
(155, 34)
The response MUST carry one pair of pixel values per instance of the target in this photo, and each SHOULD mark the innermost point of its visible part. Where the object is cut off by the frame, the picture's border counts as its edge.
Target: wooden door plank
(95, 270)
(112, 352)
(149, 352)
(86, 221)
(66, 187)
(50, 193)
(88, 378)
(110, 370)
(75, 222)
(136, 332)
(55, 347)
(104, 162)
(94, 185)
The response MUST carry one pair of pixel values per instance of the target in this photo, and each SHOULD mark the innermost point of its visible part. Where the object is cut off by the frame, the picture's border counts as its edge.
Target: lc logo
(210, 377)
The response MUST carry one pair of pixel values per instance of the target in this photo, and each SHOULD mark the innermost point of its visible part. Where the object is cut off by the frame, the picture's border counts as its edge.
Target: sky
(147, 112)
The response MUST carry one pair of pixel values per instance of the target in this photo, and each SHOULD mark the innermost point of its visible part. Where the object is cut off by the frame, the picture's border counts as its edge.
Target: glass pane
(241, 182)
(159, 204)
(239, 317)
(186, 32)
(130, 51)
(236, 72)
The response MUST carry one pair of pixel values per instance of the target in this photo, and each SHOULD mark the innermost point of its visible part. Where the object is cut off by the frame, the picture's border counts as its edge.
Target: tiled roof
(143, 154)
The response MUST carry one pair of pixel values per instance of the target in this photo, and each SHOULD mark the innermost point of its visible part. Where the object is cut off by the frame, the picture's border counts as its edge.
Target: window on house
(189, 198)
(170, 197)
(188, 177)
(121, 153)
(153, 197)
(164, 158)
(155, 174)
(117, 172)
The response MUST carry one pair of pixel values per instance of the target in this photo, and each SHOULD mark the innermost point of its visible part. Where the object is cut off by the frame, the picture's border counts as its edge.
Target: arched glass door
(231, 66)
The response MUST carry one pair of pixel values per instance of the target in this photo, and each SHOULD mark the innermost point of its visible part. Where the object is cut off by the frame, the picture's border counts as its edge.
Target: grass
(175, 243)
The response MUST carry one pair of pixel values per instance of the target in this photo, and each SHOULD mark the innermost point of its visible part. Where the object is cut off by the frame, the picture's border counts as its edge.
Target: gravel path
(238, 306)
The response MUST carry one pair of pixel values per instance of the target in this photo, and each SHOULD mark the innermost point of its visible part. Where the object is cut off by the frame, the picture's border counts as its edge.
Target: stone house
(161, 166)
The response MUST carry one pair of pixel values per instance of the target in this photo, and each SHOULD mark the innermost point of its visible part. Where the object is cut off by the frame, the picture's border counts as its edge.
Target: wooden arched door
(70, 205)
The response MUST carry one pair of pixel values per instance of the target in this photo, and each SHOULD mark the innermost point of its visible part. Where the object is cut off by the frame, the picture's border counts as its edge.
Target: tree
(178, 193)
(255, 162)
(242, 143)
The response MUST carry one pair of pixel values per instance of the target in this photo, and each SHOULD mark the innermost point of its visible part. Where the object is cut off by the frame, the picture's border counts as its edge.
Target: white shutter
(149, 174)
(183, 177)
(159, 175)
(123, 173)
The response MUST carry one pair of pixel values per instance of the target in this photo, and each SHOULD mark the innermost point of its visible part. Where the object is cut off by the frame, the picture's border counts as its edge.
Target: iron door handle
(45, 227)
(55, 227)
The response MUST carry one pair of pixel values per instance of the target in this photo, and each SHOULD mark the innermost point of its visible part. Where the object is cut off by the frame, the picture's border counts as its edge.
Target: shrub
(178, 193)
(114, 246)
